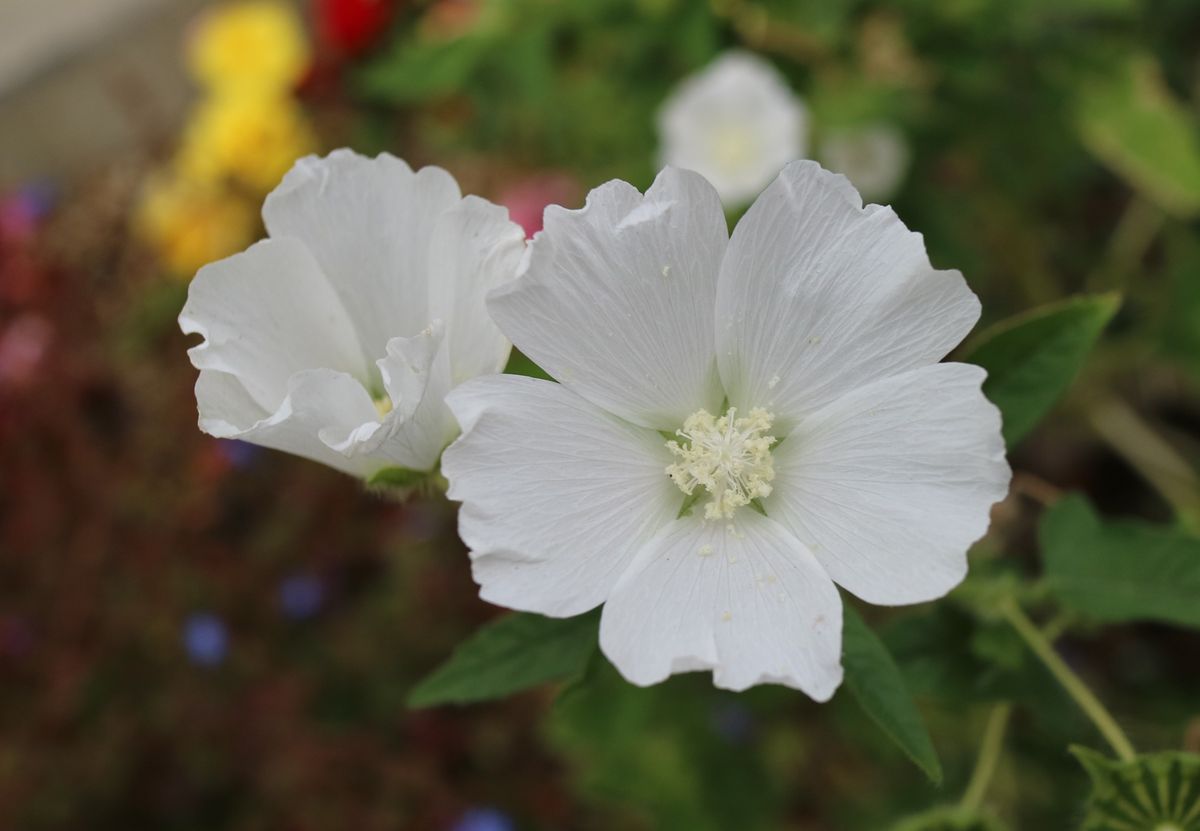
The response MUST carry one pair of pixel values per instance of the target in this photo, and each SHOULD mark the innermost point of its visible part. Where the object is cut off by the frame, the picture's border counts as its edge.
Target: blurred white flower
(874, 158)
(338, 337)
(740, 424)
(736, 122)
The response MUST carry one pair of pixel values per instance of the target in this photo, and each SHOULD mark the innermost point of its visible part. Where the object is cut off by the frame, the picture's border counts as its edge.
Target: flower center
(733, 147)
(729, 456)
(383, 404)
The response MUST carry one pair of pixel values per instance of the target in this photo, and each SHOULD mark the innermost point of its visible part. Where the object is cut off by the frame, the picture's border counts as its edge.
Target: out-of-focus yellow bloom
(249, 44)
(250, 138)
(190, 224)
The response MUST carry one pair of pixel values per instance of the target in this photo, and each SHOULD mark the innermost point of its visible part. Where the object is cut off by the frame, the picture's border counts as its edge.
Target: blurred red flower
(351, 26)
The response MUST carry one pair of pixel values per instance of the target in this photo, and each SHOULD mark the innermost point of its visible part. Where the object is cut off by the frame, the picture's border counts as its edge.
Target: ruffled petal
(890, 485)
(746, 600)
(265, 315)
(317, 402)
(557, 494)
(818, 296)
(368, 223)
(616, 300)
(474, 249)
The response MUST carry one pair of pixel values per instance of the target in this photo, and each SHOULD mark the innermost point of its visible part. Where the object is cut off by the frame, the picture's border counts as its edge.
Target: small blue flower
(205, 639)
(301, 596)
(238, 454)
(483, 819)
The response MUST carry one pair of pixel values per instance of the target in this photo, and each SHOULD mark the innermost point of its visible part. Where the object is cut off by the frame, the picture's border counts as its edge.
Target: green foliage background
(1056, 162)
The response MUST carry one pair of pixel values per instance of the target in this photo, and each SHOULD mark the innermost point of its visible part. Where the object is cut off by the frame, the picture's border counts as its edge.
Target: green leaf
(512, 654)
(419, 70)
(1123, 570)
(1154, 792)
(1133, 124)
(876, 683)
(1032, 358)
(662, 750)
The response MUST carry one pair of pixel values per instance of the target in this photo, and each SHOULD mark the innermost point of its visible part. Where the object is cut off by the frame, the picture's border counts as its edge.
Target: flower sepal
(402, 482)
(1150, 792)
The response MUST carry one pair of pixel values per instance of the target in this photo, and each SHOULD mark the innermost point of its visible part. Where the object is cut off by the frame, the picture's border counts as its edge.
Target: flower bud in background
(736, 123)
(874, 158)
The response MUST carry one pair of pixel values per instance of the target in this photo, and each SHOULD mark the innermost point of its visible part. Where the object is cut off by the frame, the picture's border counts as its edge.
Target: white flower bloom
(338, 337)
(740, 424)
(874, 158)
(736, 122)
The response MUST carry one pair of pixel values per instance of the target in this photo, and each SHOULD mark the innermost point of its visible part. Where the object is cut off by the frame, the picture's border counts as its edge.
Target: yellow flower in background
(190, 224)
(254, 43)
(248, 137)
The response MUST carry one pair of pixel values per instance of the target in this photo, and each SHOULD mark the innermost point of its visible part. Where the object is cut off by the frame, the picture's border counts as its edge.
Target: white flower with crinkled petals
(739, 424)
(338, 337)
(736, 122)
(874, 158)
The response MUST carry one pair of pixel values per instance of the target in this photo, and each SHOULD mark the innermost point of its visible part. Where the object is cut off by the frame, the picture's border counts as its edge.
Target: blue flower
(301, 596)
(206, 639)
(484, 819)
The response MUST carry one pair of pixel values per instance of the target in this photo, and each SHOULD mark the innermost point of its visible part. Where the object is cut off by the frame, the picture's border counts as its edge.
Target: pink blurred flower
(527, 199)
(23, 345)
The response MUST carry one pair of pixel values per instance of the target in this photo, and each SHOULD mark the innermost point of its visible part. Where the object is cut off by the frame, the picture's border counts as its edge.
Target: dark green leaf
(1032, 358)
(512, 654)
(1154, 792)
(876, 683)
(519, 364)
(1123, 570)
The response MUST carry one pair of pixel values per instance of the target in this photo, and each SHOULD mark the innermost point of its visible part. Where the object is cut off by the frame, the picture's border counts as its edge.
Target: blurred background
(197, 634)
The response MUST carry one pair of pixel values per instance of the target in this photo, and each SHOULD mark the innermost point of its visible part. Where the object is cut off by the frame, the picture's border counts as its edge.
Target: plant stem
(1151, 456)
(1071, 682)
(989, 755)
(1135, 231)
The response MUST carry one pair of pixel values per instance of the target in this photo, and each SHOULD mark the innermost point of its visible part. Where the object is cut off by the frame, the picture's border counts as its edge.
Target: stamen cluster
(729, 456)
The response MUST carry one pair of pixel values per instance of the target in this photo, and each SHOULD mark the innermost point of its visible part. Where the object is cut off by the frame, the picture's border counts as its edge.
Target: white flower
(736, 122)
(740, 424)
(874, 158)
(338, 337)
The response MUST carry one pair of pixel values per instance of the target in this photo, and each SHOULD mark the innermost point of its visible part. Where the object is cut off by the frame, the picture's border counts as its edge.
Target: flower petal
(266, 314)
(746, 600)
(474, 249)
(368, 223)
(889, 485)
(317, 401)
(557, 494)
(818, 296)
(616, 300)
(416, 374)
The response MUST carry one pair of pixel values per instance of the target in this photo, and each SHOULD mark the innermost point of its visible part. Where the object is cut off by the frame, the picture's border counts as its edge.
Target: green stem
(1135, 231)
(1071, 682)
(1151, 456)
(989, 756)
